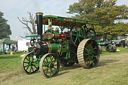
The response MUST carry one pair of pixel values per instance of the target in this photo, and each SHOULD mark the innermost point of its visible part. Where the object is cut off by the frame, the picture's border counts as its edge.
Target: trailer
(23, 45)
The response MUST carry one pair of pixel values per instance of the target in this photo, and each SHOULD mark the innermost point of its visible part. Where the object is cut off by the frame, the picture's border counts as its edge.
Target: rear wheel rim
(88, 53)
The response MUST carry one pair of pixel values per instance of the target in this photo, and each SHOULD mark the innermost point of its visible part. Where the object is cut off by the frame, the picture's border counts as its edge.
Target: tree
(119, 29)
(4, 27)
(28, 22)
(105, 11)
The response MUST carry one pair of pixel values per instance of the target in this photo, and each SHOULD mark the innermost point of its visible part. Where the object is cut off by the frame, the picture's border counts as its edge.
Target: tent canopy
(7, 41)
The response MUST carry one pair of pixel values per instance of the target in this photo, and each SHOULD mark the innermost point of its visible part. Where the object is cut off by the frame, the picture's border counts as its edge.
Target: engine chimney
(39, 17)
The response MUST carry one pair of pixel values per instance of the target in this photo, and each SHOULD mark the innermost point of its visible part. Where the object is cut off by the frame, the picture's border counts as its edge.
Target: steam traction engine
(50, 49)
(110, 46)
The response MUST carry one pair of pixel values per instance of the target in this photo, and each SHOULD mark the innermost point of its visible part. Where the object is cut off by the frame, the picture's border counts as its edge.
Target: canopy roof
(68, 22)
(7, 41)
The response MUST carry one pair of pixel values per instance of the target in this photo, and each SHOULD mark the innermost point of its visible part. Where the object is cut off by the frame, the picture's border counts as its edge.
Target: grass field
(111, 70)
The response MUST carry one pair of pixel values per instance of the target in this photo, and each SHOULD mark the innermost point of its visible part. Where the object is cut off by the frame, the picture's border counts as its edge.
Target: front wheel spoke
(46, 59)
(26, 62)
(51, 58)
(27, 58)
(31, 58)
(35, 66)
(55, 64)
(55, 68)
(54, 61)
(46, 65)
(52, 71)
(32, 68)
(46, 71)
(26, 66)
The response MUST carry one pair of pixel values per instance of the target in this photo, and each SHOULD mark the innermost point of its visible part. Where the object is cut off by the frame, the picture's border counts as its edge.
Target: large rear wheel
(77, 35)
(69, 59)
(66, 64)
(88, 53)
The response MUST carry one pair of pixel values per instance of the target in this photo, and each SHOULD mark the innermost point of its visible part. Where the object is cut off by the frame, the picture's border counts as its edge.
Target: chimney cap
(39, 13)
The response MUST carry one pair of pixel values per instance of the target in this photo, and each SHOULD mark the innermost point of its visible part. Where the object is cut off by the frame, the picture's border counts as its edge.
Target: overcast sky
(19, 8)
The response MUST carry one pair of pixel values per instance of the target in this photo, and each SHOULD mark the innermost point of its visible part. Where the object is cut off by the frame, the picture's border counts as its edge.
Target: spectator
(15, 49)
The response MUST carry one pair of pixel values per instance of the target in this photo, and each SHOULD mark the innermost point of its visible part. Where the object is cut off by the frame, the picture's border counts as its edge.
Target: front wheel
(49, 65)
(30, 63)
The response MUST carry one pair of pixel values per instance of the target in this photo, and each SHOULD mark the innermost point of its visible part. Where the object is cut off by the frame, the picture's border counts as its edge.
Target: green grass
(8, 61)
(112, 69)
(122, 50)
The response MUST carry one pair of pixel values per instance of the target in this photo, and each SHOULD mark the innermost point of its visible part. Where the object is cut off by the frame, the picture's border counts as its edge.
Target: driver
(57, 30)
(48, 33)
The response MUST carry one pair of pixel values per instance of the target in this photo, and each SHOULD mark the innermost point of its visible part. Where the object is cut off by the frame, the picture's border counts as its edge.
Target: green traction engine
(50, 49)
(110, 46)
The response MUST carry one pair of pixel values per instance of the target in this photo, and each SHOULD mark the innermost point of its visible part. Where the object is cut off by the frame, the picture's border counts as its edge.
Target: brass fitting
(39, 13)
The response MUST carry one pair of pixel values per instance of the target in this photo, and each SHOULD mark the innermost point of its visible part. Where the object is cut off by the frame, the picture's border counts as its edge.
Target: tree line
(105, 11)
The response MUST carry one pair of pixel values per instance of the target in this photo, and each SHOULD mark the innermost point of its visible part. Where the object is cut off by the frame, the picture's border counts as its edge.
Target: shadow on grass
(61, 73)
(105, 62)
(64, 70)
(101, 63)
(70, 67)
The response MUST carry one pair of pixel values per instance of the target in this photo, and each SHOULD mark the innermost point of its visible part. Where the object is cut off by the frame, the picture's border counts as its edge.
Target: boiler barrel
(53, 48)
